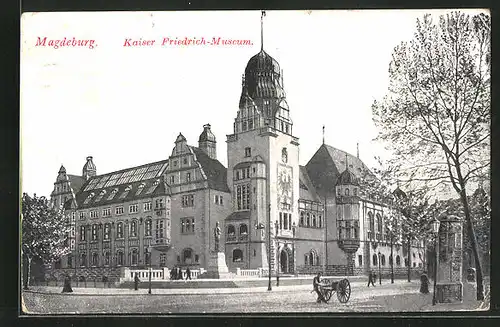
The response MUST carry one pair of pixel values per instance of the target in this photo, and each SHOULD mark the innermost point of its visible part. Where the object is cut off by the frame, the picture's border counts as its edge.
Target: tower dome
(89, 169)
(347, 178)
(207, 134)
(263, 77)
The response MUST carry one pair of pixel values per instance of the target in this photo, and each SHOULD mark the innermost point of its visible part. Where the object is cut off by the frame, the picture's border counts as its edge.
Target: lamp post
(379, 270)
(146, 252)
(259, 227)
(435, 229)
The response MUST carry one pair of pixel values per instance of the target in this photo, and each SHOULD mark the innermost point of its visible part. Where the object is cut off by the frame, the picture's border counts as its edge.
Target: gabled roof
(215, 171)
(328, 163)
(307, 191)
(125, 185)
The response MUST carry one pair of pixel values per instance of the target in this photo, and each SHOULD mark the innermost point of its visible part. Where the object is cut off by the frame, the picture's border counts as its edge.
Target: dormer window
(99, 197)
(139, 189)
(125, 193)
(89, 197)
(153, 187)
(113, 193)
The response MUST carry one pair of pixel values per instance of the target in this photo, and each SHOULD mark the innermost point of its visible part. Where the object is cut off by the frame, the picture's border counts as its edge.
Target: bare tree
(435, 118)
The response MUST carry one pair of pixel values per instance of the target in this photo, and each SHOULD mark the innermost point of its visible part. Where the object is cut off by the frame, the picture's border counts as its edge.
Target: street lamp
(435, 229)
(261, 226)
(379, 270)
(146, 252)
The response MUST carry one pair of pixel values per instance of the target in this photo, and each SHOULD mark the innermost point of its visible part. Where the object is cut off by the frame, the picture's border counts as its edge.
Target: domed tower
(89, 169)
(263, 161)
(207, 142)
(348, 208)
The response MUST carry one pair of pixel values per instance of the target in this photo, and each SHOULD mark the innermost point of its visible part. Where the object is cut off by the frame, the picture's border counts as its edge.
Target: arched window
(347, 192)
(308, 223)
(95, 259)
(70, 261)
(243, 229)
(382, 259)
(107, 228)
(149, 227)
(135, 257)
(311, 258)
(107, 257)
(83, 259)
(374, 259)
(119, 258)
(398, 260)
(119, 230)
(302, 218)
(133, 228)
(237, 255)
(355, 191)
(379, 224)
(314, 221)
(187, 256)
(406, 262)
(230, 230)
(371, 222)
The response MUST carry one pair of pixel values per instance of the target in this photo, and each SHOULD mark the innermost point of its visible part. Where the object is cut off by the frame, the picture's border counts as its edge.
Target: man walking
(371, 278)
(188, 273)
(136, 282)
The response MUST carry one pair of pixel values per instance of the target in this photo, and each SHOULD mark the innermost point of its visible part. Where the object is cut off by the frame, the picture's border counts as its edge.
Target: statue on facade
(217, 233)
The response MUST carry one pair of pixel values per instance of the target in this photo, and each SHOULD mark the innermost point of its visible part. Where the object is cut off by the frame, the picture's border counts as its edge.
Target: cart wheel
(328, 295)
(343, 291)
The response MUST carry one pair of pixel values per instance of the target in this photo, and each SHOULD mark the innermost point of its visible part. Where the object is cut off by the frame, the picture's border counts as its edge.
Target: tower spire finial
(323, 134)
(262, 29)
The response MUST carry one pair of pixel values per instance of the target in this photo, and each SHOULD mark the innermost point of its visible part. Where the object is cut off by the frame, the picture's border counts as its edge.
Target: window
(95, 259)
(243, 197)
(133, 208)
(82, 215)
(374, 259)
(107, 257)
(147, 206)
(237, 255)
(188, 177)
(175, 163)
(93, 214)
(172, 180)
(119, 230)
(125, 193)
(159, 204)
(414, 264)
(94, 232)
(119, 258)
(112, 194)
(320, 221)
(398, 260)
(163, 259)
(302, 218)
(243, 229)
(311, 258)
(107, 229)
(87, 200)
(119, 210)
(139, 189)
(390, 260)
(188, 200)
(106, 212)
(339, 192)
(135, 257)
(231, 231)
(382, 259)
(159, 229)
(73, 219)
(406, 262)
(99, 197)
(149, 227)
(133, 228)
(70, 261)
(347, 192)
(82, 233)
(147, 257)
(187, 225)
(218, 200)
(196, 258)
(178, 259)
(187, 255)
(360, 260)
(83, 260)
(355, 191)
(308, 221)
(248, 152)
(185, 161)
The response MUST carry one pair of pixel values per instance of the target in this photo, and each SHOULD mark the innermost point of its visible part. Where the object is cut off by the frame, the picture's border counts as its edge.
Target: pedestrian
(67, 285)
(371, 278)
(179, 273)
(424, 283)
(316, 285)
(173, 276)
(188, 273)
(136, 281)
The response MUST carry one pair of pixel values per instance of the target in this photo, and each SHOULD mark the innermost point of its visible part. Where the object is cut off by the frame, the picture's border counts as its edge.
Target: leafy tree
(435, 118)
(44, 233)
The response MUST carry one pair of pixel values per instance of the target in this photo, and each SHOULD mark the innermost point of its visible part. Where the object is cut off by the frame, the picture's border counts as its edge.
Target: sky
(125, 106)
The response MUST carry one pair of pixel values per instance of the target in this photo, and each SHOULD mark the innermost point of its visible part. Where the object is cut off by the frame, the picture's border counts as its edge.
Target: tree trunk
(28, 272)
(473, 241)
(409, 260)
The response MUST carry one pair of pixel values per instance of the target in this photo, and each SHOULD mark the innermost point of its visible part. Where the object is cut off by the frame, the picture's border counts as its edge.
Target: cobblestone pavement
(399, 297)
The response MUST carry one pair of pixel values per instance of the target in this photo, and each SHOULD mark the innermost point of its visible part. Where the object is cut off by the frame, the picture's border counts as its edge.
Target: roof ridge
(125, 169)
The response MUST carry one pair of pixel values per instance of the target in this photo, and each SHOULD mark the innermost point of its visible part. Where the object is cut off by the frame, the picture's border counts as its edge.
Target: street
(399, 297)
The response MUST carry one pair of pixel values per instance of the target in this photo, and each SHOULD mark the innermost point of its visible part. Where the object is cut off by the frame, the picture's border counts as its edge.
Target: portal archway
(284, 261)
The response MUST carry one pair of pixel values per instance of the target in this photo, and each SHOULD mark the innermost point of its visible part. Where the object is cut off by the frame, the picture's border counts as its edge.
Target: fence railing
(251, 273)
(156, 274)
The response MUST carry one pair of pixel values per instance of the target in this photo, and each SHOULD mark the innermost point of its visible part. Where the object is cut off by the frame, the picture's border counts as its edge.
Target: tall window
(243, 229)
(133, 208)
(302, 214)
(94, 232)
(163, 259)
(159, 229)
(187, 225)
(95, 259)
(93, 214)
(70, 261)
(159, 204)
(187, 255)
(237, 255)
(119, 210)
(83, 260)
(106, 212)
(231, 230)
(379, 227)
(188, 177)
(119, 258)
(188, 200)
(133, 228)
(149, 226)
(119, 230)
(374, 259)
(248, 152)
(107, 257)
(82, 233)
(147, 206)
(107, 229)
(135, 257)
(243, 197)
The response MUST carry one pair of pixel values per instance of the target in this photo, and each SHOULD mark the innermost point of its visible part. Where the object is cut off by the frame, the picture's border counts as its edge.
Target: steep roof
(215, 171)
(328, 163)
(124, 185)
(76, 182)
(307, 190)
